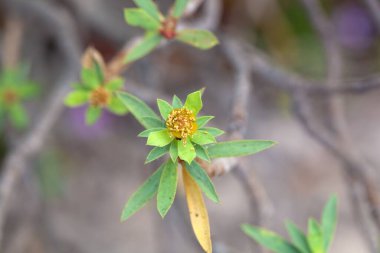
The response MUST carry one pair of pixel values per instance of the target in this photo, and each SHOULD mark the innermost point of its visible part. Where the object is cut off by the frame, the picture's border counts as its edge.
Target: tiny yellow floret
(181, 123)
(100, 97)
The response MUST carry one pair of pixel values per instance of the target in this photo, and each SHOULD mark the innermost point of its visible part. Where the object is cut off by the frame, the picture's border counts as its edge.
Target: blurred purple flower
(354, 26)
(78, 127)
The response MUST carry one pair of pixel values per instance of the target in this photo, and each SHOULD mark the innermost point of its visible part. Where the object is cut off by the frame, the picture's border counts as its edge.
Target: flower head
(97, 88)
(15, 88)
(182, 133)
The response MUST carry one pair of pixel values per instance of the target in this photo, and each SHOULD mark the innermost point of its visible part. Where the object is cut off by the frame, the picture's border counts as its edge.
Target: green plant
(15, 89)
(97, 88)
(182, 134)
(317, 240)
(158, 27)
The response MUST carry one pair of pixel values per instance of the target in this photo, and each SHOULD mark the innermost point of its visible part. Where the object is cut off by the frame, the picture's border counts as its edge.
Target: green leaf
(269, 239)
(315, 237)
(179, 8)
(117, 107)
(18, 116)
(194, 102)
(174, 150)
(164, 107)
(143, 195)
(150, 7)
(160, 138)
(146, 133)
(90, 78)
(177, 103)
(76, 98)
(238, 148)
(298, 238)
(203, 120)
(167, 188)
(140, 18)
(99, 72)
(216, 132)
(93, 114)
(201, 39)
(202, 153)
(329, 221)
(186, 152)
(156, 153)
(115, 84)
(28, 90)
(202, 138)
(138, 108)
(153, 122)
(202, 179)
(144, 47)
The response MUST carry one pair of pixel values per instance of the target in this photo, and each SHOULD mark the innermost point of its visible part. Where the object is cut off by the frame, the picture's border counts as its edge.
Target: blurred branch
(374, 8)
(16, 162)
(354, 165)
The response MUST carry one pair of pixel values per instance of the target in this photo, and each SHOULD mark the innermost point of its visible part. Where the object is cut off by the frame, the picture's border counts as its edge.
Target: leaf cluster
(159, 27)
(15, 89)
(317, 240)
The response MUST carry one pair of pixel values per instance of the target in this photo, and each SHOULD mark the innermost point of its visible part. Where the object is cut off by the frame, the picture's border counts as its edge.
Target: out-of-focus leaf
(179, 7)
(299, 239)
(115, 84)
(269, 239)
(93, 114)
(150, 7)
(201, 39)
(143, 47)
(18, 116)
(315, 237)
(140, 18)
(76, 98)
(329, 221)
(138, 108)
(117, 107)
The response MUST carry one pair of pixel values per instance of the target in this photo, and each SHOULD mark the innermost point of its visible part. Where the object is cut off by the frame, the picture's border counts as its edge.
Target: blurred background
(71, 191)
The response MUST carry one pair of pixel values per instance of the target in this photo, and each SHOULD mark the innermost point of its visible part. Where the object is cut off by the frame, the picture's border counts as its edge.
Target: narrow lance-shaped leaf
(186, 151)
(203, 120)
(143, 195)
(117, 107)
(216, 132)
(160, 138)
(156, 153)
(198, 212)
(138, 108)
(329, 221)
(164, 107)
(238, 148)
(201, 39)
(194, 102)
(315, 237)
(202, 138)
(177, 103)
(93, 114)
(202, 153)
(167, 188)
(174, 150)
(203, 180)
(269, 239)
(150, 7)
(140, 18)
(76, 98)
(179, 7)
(19, 116)
(143, 47)
(299, 239)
